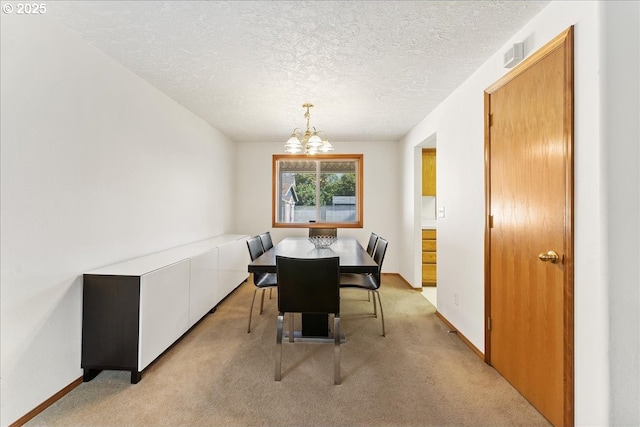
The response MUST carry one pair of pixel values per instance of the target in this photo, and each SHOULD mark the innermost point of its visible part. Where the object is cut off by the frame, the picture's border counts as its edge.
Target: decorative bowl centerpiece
(321, 242)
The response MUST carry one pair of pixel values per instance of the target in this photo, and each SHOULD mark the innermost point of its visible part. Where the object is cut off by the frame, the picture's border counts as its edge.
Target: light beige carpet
(218, 375)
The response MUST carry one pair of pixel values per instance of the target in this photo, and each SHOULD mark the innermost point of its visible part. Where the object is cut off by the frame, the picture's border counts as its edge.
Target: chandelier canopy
(309, 141)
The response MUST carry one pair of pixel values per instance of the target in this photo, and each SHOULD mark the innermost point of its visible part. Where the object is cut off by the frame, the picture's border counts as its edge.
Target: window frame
(275, 181)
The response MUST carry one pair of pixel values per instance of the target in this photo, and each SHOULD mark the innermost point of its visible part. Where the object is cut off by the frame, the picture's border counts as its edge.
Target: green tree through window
(332, 184)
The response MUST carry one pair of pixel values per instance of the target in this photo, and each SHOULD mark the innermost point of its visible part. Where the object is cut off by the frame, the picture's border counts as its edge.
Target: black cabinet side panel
(110, 321)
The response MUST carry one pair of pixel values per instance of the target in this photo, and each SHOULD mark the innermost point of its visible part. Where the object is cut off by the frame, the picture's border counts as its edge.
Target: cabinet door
(164, 310)
(429, 273)
(429, 172)
(429, 234)
(429, 245)
(232, 266)
(429, 257)
(203, 289)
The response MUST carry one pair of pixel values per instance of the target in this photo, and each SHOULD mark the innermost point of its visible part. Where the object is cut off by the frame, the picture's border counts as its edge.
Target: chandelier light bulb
(326, 146)
(293, 141)
(314, 141)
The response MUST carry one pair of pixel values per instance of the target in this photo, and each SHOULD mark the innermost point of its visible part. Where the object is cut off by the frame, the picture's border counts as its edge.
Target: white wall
(458, 122)
(381, 193)
(620, 88)
(97, 166)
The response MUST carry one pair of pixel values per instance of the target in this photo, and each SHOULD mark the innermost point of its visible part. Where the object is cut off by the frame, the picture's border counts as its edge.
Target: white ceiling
(373, 69)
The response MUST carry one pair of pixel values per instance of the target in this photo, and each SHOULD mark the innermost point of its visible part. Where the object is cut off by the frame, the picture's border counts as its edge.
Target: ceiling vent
(514, 55)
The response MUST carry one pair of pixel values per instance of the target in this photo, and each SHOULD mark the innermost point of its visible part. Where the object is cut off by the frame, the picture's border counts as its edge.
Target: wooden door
(529, 176)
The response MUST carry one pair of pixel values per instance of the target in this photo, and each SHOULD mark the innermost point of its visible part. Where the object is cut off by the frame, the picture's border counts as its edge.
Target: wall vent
(514, 55)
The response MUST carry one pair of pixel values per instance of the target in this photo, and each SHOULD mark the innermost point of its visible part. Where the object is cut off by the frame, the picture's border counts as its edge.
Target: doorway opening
(428, 218)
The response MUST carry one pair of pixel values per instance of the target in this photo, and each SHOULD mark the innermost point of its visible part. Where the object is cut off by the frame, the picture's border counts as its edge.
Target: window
(320, 190)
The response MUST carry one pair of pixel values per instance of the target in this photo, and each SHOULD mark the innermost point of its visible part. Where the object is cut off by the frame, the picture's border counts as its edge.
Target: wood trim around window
(359, 158)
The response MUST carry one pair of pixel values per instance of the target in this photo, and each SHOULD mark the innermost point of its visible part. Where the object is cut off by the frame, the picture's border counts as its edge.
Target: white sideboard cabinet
(133, 311)
(203, 289)
(233, 261)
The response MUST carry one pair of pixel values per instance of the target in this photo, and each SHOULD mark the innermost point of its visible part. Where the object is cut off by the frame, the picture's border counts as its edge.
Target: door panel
(529, 203)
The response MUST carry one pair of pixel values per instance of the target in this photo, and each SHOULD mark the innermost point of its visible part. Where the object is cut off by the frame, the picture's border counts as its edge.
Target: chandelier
(309, 141)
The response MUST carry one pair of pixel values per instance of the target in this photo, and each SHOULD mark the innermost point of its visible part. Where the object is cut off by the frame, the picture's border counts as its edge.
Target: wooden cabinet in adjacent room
(428, 257)
(429, 172)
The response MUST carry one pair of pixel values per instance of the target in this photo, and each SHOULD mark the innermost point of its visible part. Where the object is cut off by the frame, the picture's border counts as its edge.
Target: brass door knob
(551, 256)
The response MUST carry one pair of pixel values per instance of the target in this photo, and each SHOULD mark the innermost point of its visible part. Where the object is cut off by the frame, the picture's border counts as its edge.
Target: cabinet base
(90, 374)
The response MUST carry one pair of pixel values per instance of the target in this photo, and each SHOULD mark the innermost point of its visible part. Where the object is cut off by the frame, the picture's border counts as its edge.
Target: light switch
(440, 211)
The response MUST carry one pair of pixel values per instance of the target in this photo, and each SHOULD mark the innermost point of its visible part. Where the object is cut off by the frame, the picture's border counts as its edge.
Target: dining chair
(308, 285)
(267, 244)
(265, 238)
(369, 282)
(323, 232)
(260, 280)
(371, 246)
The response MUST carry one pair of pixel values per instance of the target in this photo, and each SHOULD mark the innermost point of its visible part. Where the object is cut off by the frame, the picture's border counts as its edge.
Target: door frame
(566, 39)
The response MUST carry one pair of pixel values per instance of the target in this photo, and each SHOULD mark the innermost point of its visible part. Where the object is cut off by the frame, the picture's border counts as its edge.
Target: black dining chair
(267, 244)
(265, 238)
(323, 232)
(369, 282)
(371, 246)
(260, 280)
(308, 285)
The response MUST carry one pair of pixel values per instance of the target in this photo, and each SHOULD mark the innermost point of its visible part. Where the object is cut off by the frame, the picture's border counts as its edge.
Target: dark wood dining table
(353, 259)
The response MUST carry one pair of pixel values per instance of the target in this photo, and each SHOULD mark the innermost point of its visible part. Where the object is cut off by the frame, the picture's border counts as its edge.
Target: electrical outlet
(456, 300)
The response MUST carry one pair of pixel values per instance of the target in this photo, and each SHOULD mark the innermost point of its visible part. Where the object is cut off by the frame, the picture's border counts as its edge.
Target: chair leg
(290, 327)
(381, 312)
(336, 354)
(251, 309)
(270, 292)
(262, 302)
(279, 346)
(375, 310)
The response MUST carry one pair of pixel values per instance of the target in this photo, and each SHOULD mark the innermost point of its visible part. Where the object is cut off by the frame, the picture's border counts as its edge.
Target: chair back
(323, 232)
(309, 285)
(265, 238)
(373, 239)
(378, 255)
(255, 247)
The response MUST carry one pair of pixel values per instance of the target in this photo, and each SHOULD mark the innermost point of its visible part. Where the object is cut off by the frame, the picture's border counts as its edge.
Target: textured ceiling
(373, 69)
